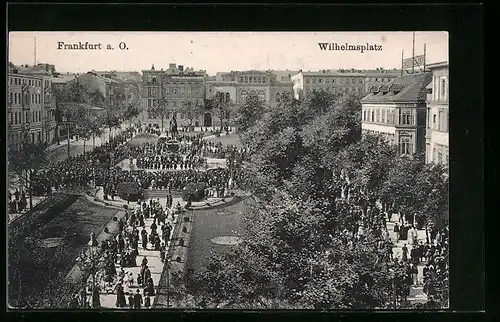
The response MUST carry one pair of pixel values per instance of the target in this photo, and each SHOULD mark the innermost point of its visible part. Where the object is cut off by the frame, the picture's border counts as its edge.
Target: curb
(174, 252)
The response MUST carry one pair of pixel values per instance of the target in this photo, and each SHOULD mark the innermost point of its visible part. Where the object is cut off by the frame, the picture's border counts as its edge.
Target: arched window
(262, 95)
(278, 97)
(253, 93)
(244, 95)
(228, 97)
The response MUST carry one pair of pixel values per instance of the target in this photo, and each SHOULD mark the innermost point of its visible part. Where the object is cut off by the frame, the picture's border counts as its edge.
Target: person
(137, 300)
(74, 303)
(120, 296)
(414, 272)
(147, 302)
(396, 231)
(405, 253)
(131, 300)
(96, 301)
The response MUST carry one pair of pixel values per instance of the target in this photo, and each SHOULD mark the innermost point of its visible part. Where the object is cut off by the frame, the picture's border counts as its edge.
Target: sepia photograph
(228, 170)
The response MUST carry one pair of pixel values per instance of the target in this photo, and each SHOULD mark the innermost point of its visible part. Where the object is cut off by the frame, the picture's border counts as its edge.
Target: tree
(160, 110)
(112, 122)
(84, 130)
(248, 113)
(191, 110)
(69, 108)
(26, 160)
(96, 130)
(131, 112)
(223, 108)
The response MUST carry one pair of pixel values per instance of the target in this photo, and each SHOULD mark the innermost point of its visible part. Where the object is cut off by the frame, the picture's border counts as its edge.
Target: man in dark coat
(137, 300)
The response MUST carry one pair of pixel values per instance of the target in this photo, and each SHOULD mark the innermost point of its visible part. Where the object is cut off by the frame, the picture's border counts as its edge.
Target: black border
(465, 26)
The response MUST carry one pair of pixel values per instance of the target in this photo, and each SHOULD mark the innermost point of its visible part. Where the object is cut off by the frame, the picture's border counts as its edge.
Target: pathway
(416, 292)
(108, 295)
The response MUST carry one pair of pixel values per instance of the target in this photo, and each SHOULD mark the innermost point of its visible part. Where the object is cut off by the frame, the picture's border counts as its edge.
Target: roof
(283, 76)
(332, 73)
(442, 64)
(406, 88)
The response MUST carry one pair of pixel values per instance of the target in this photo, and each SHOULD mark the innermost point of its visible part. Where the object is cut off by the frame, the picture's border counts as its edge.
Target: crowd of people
(432, 253)
(95, 167)
(124, 251)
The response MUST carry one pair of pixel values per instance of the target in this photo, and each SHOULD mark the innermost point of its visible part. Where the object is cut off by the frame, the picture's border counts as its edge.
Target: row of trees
(74, 110)
(310, 167)
(78, 109)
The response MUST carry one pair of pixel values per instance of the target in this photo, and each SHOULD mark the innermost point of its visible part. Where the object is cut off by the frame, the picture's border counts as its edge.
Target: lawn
(37, 267)
(231, 139)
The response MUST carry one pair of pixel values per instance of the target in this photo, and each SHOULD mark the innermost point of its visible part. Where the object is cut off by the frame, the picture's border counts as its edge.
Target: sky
(223, 51)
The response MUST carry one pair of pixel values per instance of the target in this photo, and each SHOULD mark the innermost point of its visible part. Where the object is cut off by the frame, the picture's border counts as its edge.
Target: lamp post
(167, 265)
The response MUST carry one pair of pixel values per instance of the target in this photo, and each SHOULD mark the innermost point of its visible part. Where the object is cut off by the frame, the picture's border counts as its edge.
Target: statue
(173, 128)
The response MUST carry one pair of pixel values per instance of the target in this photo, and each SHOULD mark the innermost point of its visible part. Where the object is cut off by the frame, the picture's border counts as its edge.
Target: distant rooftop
(406, 88)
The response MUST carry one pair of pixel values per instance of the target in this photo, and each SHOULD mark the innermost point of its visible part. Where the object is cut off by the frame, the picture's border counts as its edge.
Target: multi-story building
(46, 72)
(109, 88)
(437, 144)
(398, 112)
(177, 88)
(379, 76)
(335, 82)
(240, 84)
(25, 107)
(131, 81)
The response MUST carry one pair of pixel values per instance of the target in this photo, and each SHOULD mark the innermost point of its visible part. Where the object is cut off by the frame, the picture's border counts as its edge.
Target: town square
(181, 174)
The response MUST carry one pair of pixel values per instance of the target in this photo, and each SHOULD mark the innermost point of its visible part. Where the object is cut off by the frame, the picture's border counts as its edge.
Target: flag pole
(413, 55)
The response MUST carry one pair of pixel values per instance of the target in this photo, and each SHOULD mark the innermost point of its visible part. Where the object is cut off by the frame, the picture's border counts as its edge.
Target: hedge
(195, 190)
(132, 190)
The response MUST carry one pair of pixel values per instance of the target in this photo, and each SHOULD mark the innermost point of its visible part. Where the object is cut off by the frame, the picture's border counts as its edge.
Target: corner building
(437, 131)
(25, 108)
(397, 111)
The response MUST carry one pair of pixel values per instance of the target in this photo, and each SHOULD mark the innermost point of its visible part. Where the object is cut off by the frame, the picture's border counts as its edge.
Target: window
(320, 80)
(333, 81)
(228, 98)
(242, 79)
(443, 89)
(244, 95)
(246, 79)
(262, 95)
(259, 79)
(10, 98)
(149, 103)
(278, 96)
(406, 118)
(314, 80)
(373, 116)
(441, 125)
(434, 125)
(364, 115)
(405, 145)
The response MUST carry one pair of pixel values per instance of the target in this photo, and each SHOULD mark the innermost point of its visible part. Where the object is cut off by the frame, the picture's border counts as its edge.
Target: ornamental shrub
(195, 191)
(132, 190)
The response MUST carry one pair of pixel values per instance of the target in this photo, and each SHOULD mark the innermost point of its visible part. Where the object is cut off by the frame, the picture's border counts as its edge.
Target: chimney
(171, 65)
(181, 68)
(153, 67)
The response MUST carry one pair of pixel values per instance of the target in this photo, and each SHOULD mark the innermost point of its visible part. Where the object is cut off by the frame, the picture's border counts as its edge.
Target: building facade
(240, 84)
(335, 82)
(437, 129)
(397, 111)
(25, 110)
(179, 90)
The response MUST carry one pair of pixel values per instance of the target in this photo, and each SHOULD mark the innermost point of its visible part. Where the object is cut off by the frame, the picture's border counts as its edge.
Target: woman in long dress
(120, 296)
